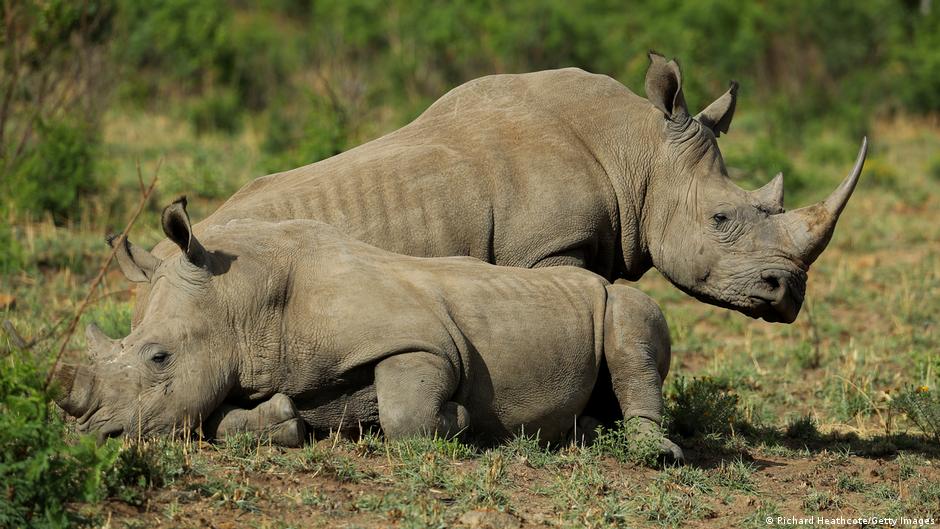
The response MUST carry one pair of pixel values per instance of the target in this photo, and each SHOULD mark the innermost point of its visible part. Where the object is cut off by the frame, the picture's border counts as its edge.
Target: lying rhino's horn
(71, 386)
(811, 227)
(772, 192)
(100, 345)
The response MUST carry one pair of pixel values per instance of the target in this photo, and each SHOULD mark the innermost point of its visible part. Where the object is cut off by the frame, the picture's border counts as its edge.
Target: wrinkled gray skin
(317, 329)
(563, 167)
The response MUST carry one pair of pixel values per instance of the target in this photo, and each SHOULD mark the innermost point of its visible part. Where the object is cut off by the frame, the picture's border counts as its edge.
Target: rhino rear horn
(179, 229)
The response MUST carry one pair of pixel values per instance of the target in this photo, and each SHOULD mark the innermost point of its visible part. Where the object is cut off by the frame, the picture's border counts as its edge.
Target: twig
(101, 272)
(26, 344)
(18, 341)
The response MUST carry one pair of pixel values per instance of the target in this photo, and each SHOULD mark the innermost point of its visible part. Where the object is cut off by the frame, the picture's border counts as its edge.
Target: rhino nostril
(773, 282)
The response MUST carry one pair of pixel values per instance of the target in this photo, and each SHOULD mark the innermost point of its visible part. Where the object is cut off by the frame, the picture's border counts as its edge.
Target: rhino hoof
(281, 407)
(291, 433)
(671, 452)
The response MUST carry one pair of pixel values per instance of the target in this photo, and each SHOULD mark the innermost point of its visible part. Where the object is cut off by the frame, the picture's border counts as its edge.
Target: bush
(40, 471)
(142, 466)
(58, 172)
(702, 405)
(321, 131)
(922, 407)
(218, 110)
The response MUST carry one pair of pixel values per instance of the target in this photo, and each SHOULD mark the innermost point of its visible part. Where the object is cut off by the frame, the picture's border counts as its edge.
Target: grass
(821, 415)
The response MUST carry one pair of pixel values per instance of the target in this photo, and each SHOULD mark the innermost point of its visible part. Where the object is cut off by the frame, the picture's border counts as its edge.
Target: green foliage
(145, 465)
(57, 172)
(922, 407)
(218, 110)
(702, 405)
(13, 257)
(321, 131)
(40, 468)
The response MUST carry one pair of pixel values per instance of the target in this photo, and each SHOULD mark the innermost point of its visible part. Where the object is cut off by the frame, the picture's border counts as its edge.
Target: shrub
(803, 428)
(702, 405)
(142, 466)
(922, 407)
(58, 171)
(218, 110)
(40, 470)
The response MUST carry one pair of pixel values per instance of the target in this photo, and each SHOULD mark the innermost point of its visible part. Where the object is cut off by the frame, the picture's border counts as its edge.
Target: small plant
(922, 407)
(528, 449)
(803, 428)
(702, 405)
(145, 465)
(817, 501)
(484, 486)
(850, 483)
(736, 474)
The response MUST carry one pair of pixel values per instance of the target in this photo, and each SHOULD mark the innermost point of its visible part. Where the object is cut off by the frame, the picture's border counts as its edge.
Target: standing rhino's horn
(772, 193)
(811, 227)
(71, 388)
(179, 229)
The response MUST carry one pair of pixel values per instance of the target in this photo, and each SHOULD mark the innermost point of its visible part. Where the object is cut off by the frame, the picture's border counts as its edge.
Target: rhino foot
(669, 452)
(287, 428)
(291, 433)
(276, 420)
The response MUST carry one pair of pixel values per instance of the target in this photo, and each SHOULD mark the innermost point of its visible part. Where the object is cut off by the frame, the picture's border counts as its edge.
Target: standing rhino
(315, 328)
(563, 167)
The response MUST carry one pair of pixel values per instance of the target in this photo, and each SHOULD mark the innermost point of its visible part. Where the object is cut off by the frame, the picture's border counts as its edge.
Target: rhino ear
(178, 229)
(137, 264)
(664, 87)
(717, 116)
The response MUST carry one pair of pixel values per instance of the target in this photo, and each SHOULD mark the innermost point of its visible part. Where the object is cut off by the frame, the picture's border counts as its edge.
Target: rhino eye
(719, 218)
(160, 358)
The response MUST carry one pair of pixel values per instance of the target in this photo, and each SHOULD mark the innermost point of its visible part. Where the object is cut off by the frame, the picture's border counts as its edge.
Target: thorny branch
(101, 272)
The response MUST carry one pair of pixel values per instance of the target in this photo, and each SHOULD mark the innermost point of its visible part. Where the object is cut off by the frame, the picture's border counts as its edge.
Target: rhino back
(503, 168)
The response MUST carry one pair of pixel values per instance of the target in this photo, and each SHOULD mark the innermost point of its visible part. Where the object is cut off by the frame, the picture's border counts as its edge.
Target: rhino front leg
(413, 391)
(275, 419)
(637, 350)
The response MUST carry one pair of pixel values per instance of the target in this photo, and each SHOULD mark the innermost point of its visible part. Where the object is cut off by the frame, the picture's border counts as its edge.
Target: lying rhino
(563, 167)
(306, 323)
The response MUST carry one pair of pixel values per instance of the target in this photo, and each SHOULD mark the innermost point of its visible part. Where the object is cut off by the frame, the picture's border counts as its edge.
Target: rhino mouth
(778, 297)
(110, 432)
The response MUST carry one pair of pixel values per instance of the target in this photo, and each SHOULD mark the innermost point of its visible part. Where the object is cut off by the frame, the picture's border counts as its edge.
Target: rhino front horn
(811, 227)
(71, 389)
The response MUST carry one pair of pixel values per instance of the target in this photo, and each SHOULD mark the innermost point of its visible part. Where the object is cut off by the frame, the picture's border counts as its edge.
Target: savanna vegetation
(837, 413)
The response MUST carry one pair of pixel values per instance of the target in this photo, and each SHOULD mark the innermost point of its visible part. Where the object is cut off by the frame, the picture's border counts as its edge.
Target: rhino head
(726, 246)
(174, 368)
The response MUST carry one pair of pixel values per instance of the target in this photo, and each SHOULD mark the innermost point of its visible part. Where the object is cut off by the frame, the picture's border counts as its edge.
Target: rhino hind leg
(275, 420)
(413, 392)
(637, 351)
